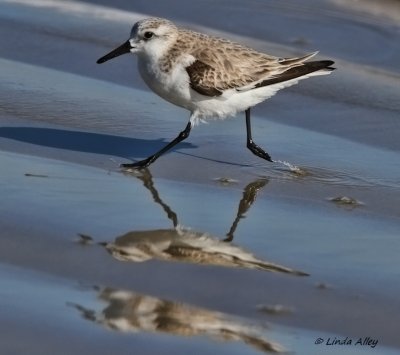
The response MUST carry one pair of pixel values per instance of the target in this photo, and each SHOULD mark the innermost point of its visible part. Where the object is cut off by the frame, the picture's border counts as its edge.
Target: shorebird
(209, 76)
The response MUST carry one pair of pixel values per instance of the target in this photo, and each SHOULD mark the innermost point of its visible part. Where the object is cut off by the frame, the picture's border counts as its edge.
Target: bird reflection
(186, 245)
(131, 312)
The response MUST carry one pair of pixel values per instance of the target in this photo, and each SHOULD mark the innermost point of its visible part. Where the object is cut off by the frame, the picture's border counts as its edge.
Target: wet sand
(210, 250)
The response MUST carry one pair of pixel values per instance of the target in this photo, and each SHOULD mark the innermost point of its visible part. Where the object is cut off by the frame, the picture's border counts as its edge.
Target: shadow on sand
(87, 142)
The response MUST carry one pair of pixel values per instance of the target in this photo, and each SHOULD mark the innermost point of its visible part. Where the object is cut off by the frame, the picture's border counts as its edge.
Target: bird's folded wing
(212, 73)
(200, 75)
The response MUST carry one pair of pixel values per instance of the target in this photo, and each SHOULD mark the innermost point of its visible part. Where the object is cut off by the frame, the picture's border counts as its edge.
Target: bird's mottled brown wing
(198, 72)
(212, 80)
(222, 65)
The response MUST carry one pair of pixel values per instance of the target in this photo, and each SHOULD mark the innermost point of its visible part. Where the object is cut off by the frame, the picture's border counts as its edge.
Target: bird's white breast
(172, 85)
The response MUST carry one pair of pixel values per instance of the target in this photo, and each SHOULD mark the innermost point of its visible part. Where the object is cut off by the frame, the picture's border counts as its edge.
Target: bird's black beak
(122, 49)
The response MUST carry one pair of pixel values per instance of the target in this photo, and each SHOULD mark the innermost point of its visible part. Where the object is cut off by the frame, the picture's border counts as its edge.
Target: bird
(211, 77)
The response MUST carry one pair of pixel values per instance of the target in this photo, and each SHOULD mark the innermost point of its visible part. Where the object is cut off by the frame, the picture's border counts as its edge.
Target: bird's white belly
(172, 86)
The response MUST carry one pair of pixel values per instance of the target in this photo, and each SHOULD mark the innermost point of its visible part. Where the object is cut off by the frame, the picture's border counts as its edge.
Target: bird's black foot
(255, 149)
(229, 238)
(139, 164)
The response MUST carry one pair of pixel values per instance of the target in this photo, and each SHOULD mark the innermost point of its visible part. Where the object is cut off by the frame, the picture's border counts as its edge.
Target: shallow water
(324, 243)
(209, 230)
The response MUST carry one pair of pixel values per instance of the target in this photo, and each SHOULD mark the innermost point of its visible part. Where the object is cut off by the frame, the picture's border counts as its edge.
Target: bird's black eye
(148, 35)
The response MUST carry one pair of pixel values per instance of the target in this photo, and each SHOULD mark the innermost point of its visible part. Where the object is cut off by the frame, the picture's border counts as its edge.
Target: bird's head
(149, 37)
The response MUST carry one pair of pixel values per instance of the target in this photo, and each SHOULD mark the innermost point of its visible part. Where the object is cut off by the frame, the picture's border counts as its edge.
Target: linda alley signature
(332, 341)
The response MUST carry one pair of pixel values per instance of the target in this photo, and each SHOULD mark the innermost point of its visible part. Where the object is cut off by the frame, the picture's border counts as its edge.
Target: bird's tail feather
(299, 60)
(298, 71)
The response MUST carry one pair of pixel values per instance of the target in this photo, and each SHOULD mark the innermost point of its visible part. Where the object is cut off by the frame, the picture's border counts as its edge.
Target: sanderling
(209, 76)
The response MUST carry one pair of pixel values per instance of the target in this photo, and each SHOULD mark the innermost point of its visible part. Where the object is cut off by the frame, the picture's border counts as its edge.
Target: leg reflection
(249, 196)
(147, 179)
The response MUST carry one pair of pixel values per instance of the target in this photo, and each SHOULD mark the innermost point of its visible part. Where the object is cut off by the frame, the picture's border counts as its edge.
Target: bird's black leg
(255, 149)
(146, 162)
